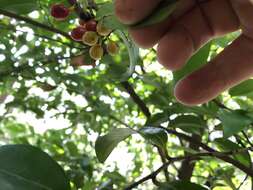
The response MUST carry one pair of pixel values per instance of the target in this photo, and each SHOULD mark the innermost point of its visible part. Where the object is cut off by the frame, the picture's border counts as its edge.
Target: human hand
(192, 25)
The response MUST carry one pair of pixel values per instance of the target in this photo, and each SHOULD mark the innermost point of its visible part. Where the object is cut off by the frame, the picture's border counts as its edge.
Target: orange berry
(102, 30)
(112, 48)
(90, 38)
(96, 52)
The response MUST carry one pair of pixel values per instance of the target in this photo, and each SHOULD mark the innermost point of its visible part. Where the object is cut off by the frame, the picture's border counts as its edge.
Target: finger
(228, 69)
(193, 30)
(132, 11)
(149, 36)
(244, 10)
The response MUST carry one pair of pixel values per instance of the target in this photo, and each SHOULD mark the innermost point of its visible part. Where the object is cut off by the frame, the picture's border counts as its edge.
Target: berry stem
(79, 11)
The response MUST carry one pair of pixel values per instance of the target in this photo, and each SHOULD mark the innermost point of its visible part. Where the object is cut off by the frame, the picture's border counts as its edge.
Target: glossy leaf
(24, 167)
(188, 123)
(105, 144)
(158, 119)
(154, 135)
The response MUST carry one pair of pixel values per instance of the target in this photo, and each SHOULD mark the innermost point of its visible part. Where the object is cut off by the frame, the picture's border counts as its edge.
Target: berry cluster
(89, 31)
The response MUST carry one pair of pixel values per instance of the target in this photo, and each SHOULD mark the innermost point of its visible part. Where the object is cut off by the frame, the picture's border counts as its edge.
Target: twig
(25, 66)
(34, 23)
(127, 86)
(11, 27)
(245, 179)
(220, 105)
(152, 176)
(247, 138)
(225, 158)
(197, 156)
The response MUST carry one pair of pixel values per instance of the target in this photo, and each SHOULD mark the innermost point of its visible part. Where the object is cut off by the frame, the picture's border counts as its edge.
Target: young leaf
(196, 61)
(242, 89)
(105, 144)
(188, 123)
(106, 9)
(227, 145)
(24, 167)
(158, 119)
(113, 23)
(156, 136)
(181, 185)
(133, 52)
(162, 12)
(233, 122)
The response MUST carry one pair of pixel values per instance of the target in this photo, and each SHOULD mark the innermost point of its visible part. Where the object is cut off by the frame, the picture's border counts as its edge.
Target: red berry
(91, 25)
(82, 60)
(77, 33)
(59, 11)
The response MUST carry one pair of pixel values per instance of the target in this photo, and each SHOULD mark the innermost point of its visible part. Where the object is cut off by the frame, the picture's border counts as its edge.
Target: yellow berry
(112, 48)
(90, 38)
(96, 52)
(102, 30)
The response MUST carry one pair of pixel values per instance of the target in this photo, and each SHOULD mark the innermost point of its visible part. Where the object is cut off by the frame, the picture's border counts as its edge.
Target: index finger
(132, 11)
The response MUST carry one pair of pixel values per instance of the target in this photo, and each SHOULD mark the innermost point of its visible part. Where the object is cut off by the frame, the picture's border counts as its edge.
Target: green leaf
(18, 6)
(113, 23)
(196, 61)
(158, 119)
(106, 9)
(105, 144)
(154, 135)
(227, 145)
(163, 11)
(242, 89)
(133, 52)
(24, 167)
(181, 185)
(233, 121)
(188, 123)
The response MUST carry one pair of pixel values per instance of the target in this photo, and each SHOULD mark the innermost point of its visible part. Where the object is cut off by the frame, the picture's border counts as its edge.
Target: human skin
(193, 24)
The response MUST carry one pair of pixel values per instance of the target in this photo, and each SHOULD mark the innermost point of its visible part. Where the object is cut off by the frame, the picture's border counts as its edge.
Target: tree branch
(187, 166)
(34, 23)
(127, 86)
(197, 156)
(225, 158)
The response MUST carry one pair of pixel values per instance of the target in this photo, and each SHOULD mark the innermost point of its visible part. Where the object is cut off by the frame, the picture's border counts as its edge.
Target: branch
(187, 166)
(197, 156)
(151, 176)
(225, 158)
(12, 27)
(247, 138)
(127, 86)
(34, 23)
(26, 66)
(143, 107)
(221, 105)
